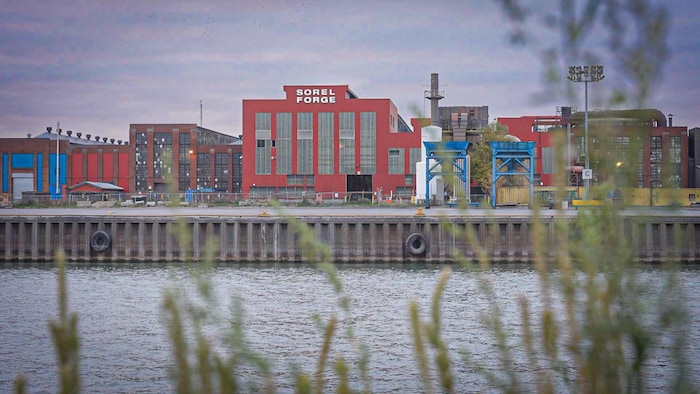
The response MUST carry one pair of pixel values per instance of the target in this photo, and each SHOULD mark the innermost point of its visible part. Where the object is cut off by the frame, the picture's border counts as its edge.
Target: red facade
(663, 147)
(100, 163)
(181, 157)
(392, 136)
(535, 129)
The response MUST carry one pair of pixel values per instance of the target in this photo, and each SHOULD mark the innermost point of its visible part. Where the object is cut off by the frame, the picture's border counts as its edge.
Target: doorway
(359, 187)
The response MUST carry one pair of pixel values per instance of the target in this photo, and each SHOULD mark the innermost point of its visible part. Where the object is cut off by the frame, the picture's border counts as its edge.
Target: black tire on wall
(100, 241)
(416, 244)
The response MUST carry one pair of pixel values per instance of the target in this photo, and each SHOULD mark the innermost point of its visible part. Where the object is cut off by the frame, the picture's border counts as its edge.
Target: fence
(544, 196)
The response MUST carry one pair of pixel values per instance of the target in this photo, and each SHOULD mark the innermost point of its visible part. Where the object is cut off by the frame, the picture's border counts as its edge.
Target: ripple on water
(124, 344)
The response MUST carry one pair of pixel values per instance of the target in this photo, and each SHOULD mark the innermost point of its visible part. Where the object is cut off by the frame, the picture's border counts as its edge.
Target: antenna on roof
(200, 114)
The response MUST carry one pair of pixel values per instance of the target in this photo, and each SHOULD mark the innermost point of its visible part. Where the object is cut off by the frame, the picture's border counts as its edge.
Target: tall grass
(594, 330)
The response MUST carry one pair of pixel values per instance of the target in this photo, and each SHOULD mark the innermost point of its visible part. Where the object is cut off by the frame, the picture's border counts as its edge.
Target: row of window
(162, 151)
(623, 149)
(325, 153)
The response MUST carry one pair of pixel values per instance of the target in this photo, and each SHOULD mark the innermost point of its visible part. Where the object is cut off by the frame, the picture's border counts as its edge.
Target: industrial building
(57, 163)
(45, 166)
(642, 143)
(326, 140)
(181, 157)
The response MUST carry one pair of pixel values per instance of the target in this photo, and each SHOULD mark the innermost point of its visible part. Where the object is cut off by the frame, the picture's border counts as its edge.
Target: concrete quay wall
(263, 238)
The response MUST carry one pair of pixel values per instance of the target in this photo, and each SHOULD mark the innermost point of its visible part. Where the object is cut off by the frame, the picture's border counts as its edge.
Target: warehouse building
(181, 157)
(45, 166)
(327, 141)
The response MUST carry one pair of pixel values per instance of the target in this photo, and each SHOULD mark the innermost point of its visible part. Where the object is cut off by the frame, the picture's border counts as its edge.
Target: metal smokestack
(434, 95)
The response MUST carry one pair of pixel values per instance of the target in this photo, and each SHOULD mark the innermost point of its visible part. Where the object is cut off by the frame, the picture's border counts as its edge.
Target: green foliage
(65, 336)
(480, 155)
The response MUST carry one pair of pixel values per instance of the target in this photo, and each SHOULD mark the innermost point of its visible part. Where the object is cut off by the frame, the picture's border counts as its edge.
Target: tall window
(184, 162)
(414, 158)
(141, 166)
(347, 143)
(368, 142)
(237, 172)
(162, 155)
(656, 160)
(305, 143)
(640, 159)
(283, 144)
(674, 159)
(221, 171)
(203, 170)
(263, 143)
(548, 160)
(325, 143)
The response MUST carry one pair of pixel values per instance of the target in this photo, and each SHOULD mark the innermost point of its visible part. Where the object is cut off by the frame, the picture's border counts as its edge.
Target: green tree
(480, 155)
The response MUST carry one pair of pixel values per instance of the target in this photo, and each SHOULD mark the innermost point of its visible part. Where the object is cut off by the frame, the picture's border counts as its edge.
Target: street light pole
(586, 74)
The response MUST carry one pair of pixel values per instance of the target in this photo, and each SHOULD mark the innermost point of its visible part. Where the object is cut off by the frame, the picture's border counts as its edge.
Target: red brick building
(325, 139)
(49, 163)
(643, 143)
(186, 156)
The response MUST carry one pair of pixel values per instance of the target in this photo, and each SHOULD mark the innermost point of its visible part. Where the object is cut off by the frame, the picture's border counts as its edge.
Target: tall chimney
(434, 96)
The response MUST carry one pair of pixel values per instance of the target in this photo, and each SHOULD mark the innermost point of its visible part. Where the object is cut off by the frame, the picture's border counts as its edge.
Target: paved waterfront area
(341, 211)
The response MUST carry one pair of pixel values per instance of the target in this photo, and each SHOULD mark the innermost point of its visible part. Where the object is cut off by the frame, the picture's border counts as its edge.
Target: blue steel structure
(441, 153)
(508, 159)
(56, 185)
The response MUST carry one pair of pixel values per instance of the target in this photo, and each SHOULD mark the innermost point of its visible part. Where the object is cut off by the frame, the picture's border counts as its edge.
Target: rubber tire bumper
(416, 244)
(100, 241)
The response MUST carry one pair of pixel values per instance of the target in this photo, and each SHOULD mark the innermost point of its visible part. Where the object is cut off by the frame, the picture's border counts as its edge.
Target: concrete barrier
(266, 238)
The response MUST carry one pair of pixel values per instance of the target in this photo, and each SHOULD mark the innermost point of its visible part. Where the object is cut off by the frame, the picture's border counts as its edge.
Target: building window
(300, 179)
(263, 150)
(347, 143)
(162, 155)
(674, 159)
(221, 171)
(305, 143)
(396, 161)
(548, 160)
(408, 179)
(656, 160)
(203, 170)
(183, 177)
(368, 142)
(325, 143)
(414, 158)
(184, 162)
(294, 179)
(283, 155)
(141, 159)
(237, 172)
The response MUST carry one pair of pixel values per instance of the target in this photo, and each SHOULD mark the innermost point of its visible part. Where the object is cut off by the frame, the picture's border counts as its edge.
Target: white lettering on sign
(316, 96)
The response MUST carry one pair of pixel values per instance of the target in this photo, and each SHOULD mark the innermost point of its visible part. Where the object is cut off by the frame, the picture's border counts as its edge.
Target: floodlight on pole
(586, 74)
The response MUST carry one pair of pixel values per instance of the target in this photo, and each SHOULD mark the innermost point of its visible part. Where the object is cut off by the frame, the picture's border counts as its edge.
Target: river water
(124, 345)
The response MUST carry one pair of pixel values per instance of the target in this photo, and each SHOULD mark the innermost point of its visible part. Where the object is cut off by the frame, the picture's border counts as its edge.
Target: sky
(97, 66)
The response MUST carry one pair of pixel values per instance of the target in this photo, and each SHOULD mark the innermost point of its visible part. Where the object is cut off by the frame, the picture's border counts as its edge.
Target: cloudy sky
(97, 66)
